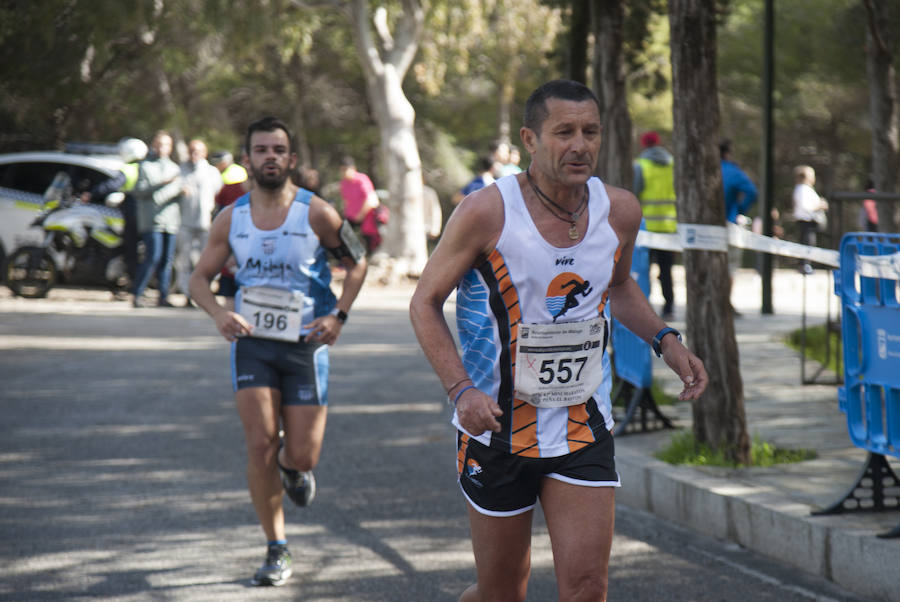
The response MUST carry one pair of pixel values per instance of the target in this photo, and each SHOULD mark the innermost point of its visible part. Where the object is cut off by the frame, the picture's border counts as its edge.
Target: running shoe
(299, 486)
(277, 567)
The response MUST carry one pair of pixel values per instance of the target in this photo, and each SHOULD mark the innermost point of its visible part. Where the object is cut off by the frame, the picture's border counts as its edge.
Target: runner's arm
(326, 223)
(629, 305)
(211, 262)
(471, 233)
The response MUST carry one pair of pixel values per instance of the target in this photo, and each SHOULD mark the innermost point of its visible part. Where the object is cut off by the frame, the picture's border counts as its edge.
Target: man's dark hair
(484, 163)
(564, 89)
(347, 161)
(724, 147)
(268, 124)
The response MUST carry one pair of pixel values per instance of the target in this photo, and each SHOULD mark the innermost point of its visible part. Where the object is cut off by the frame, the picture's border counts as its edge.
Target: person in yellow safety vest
(132, 151)
(654, 185)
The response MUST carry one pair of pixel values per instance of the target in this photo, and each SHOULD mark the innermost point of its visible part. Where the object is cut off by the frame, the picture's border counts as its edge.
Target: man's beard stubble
(270, 182)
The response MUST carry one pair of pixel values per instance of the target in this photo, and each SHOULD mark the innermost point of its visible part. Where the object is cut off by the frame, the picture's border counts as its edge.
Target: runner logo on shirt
(563, 293)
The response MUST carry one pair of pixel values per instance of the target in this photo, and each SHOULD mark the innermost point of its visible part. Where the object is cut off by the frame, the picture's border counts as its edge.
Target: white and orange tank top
(526, 280)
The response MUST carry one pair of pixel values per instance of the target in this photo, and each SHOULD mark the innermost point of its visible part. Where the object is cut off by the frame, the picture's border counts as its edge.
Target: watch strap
(657, 340)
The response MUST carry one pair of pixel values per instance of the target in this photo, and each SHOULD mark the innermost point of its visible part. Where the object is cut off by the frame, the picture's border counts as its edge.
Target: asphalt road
(121, 474)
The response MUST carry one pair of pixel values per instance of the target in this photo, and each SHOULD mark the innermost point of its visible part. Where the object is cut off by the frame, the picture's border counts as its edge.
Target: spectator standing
(360, 203)
(868, 215)
(809, 208)
(200, 182)
(654, 185)
(485, 168)
(740, 194)
(156, 192)
(132, 151)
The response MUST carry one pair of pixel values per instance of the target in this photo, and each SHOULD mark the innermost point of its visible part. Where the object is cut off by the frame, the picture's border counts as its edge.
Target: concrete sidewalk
(769, 509)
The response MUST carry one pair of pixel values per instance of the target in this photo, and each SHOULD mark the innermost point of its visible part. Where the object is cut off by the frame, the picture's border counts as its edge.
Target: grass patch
(682, 449)
(816, 337)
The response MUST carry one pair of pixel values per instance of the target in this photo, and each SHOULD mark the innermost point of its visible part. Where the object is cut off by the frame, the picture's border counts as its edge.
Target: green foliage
(820, 97)
(683, 449)
(821, 345)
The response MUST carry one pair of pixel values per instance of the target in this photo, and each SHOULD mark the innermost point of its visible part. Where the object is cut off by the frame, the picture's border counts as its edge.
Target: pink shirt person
(360, 201)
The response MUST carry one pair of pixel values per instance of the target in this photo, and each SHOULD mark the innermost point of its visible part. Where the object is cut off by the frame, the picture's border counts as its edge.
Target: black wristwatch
(659, 337)
(340, 314)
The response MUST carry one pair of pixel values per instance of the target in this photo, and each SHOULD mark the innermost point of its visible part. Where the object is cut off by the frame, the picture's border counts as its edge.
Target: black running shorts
(497, 483)
(299, 370)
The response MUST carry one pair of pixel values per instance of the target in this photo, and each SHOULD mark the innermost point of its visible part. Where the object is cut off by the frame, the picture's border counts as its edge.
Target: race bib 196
(559, 364)
(273, 313)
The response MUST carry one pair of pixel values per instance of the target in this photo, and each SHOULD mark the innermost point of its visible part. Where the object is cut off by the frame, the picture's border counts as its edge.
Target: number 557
(560, 370)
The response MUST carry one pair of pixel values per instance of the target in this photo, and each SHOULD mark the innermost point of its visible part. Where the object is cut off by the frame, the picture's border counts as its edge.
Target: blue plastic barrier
(870, 327)
(632, 354)
(868, 283)
(632, 362)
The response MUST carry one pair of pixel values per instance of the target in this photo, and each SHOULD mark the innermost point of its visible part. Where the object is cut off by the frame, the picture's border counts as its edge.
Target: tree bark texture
(385, 61)
(882, 77)
(614, 165)
(718, 415)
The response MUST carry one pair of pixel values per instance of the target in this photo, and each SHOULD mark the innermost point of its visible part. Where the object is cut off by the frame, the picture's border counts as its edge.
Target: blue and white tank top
(290, 257)
(527, 280)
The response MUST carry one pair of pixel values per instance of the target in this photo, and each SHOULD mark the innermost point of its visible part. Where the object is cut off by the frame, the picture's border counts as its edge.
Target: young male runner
(285, 317)
(532, 392)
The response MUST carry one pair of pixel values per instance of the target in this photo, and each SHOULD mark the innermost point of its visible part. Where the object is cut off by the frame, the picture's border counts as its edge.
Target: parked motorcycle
(82, 246)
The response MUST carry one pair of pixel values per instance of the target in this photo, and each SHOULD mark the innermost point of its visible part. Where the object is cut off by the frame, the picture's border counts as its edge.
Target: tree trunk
(614, 165)
(577, 41)
(882, 106)
(718, 415)
(385, 61)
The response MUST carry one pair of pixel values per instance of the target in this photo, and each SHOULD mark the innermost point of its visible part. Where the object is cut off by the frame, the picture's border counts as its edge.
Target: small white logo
(882, 343)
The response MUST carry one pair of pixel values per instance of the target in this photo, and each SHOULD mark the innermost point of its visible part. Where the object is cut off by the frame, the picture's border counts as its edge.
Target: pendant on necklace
(573, 231)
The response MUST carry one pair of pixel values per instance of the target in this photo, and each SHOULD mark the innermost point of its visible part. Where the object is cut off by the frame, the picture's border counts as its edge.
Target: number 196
(269, 320)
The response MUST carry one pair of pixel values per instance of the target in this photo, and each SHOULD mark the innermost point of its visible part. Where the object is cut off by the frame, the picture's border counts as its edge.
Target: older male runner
(285, 317)
(532, 396)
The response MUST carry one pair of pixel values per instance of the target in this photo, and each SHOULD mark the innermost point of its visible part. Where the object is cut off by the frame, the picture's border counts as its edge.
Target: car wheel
(30, 272)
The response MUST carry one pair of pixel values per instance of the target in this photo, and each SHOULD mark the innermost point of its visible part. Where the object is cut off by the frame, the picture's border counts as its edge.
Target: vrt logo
(882, 343)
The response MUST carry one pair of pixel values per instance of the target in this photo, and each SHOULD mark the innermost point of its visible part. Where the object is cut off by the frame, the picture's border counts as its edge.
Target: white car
(25, 180)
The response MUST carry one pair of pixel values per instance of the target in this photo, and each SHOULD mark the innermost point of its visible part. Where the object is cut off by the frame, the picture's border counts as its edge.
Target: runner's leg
(580, 521)
(304, 430)
(502, 547)
(258, 409)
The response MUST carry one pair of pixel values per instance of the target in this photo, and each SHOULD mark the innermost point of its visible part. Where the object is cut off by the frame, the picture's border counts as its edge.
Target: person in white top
(537, 256)
(809, 208)
(201, 182)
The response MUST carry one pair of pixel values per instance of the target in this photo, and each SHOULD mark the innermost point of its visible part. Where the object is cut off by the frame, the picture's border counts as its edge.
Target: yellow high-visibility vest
(234, 174)
(131, 171)
(658, 196)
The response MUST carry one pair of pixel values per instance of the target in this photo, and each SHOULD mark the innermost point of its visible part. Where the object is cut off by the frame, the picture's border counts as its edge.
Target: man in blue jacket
(740, 195)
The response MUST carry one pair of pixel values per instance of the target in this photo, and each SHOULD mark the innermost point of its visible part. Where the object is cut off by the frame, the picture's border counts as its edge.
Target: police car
(25, 180)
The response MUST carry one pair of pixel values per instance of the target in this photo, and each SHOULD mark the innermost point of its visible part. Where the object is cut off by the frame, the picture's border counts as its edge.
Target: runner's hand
(688, 367)
(324, 329)
(232, 325)
(477, 412)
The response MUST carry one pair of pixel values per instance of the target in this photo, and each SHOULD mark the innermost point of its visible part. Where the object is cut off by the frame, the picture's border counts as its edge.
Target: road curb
(760, 521)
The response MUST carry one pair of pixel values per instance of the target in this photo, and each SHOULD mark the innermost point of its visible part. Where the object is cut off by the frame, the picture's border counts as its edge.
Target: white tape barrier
(879, 266)
(718, 238)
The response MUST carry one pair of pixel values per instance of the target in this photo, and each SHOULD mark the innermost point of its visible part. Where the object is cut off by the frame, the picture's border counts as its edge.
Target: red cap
(649, 139)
